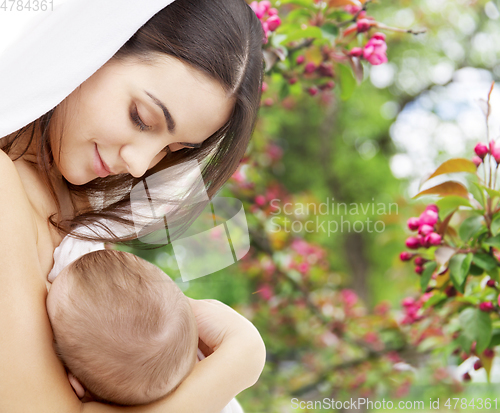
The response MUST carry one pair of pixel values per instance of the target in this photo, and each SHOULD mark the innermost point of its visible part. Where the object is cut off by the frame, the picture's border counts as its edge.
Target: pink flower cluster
(411, 308)
(374, 51)
(268, 17)
(482, 150)
(425, 225)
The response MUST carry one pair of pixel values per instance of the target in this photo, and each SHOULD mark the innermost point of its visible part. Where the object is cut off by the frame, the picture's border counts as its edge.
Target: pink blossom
(363, 25)
(272, 11)
(375, 51)
(258, 9)
(495, 151)
(433, 238)
(432, 207)
(425, 229)
(265, 5)
(352, 9)
(412, 243)
(349, 297)
(260, 200)
(419, 269)
(413, 223)
(310, 67)
(420, 261)
(300, 59)
(477, 161)
(428, 217)
(405, 256)
(486, 306)
(303, 267)
(273, 22)
(266, 292)
(356, 52)
(481, 150)
(264, 87)
(378, 35)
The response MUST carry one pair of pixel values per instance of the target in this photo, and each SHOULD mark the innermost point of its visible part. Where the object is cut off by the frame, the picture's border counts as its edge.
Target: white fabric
(60, 49)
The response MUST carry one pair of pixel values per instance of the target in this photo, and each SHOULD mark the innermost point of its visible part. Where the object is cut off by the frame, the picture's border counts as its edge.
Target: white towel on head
(59, 50)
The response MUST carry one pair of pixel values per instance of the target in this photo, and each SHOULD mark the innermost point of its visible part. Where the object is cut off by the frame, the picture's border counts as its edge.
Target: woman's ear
(77, 386)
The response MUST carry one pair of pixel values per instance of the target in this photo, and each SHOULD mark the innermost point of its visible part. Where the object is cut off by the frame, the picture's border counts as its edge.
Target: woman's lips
(100, 167)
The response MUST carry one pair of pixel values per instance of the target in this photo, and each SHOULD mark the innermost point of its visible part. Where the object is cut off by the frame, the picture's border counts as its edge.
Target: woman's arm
(32, 379)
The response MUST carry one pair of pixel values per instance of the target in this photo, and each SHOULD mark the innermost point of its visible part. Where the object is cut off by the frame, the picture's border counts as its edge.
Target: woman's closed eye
(134, 115)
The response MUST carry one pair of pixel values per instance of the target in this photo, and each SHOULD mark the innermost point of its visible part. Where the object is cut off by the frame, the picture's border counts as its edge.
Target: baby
(122, 327)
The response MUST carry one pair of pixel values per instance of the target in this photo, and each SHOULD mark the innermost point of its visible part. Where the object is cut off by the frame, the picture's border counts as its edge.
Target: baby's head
(122, 327)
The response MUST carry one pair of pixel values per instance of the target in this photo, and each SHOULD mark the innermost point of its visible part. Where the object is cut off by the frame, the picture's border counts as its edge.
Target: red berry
(413, 223)
(481, 150)
(300, 59)
(450, 291)
(433, 239)
(420, 261)
(405, 256)
(489, 352)
(478, 365)
(310, 67)
(292, 80)
(363, 25)
(466, 377)
(312, 90)
(491, 283)
(486, 306)
(419, 269)
(412, 243)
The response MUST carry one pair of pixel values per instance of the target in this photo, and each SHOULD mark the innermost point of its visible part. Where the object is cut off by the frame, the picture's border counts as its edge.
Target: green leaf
(446, 189)
(493, 241)
(495, 225)
(493, 273)
(475, 270)
(485, 261)
(426, 276)
(347, 82)
(469, 227)
(311, 31)
(492, 193)
(459, 269)
(454, 165)
(495, 338)
(465, 342)
(435, 299)
(452, 202)
(476, 325)
(478, 193)
(331, 30)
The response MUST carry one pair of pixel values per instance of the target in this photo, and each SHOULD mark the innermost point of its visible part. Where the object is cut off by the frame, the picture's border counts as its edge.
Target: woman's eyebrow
(168, 117)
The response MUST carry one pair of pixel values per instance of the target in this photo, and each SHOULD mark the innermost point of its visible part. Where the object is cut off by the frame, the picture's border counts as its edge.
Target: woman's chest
(43, 206)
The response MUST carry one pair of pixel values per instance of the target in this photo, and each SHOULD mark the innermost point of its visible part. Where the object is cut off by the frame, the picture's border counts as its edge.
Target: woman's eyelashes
(134, 115)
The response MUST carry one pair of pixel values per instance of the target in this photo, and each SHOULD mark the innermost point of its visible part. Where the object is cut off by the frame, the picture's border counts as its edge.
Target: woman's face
(126, 115)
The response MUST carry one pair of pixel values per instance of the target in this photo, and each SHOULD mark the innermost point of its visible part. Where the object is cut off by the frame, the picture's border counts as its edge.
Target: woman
(185, 87)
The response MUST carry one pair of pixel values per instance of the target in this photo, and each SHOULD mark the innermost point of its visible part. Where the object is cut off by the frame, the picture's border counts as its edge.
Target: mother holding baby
(97, 96)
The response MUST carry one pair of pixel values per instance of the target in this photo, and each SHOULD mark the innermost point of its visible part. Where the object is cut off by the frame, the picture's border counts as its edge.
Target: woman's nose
(138, 160)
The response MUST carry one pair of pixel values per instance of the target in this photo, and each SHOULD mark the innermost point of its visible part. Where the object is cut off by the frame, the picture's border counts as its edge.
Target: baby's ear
(77, 386)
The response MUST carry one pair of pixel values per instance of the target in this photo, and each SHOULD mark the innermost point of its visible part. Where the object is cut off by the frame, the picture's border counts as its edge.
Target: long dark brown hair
(222, 39)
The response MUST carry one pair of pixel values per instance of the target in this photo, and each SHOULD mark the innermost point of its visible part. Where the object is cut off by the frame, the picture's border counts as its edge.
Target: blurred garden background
(356, 113)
